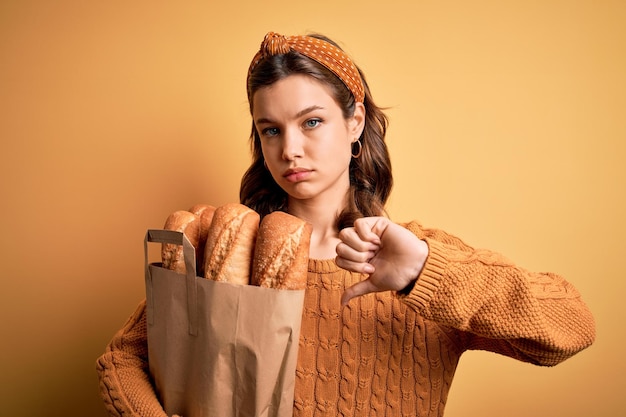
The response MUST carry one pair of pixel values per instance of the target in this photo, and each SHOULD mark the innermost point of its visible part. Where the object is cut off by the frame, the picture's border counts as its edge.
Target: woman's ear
(357, 122)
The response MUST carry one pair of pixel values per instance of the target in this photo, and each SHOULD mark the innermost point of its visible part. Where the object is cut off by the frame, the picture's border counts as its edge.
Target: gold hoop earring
(358, 141)
(265, 164)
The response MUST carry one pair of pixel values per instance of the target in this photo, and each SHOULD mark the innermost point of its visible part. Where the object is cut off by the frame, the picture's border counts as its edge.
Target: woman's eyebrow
(266, 120)
(309, 110)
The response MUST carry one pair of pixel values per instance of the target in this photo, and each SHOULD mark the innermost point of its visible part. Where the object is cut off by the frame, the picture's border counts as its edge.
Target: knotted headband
(318, 50)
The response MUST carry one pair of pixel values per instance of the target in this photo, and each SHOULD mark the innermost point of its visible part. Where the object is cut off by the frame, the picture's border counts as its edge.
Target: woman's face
(306, 141)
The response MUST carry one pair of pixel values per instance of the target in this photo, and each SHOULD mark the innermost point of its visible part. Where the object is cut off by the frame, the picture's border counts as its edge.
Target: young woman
(389, 308)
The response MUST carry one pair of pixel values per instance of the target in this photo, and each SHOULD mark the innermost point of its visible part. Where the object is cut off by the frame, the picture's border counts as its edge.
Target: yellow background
(507, 128)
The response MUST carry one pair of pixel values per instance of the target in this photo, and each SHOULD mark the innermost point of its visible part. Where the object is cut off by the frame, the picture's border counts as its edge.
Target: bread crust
(205, 212)
(172, 255)
(281, 254)
(230, 244)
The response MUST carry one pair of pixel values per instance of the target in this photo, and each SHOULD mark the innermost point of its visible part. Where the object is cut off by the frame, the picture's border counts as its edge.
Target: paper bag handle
(189, 253)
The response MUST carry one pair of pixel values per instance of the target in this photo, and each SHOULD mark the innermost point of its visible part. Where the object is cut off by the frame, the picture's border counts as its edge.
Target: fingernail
(368, 269)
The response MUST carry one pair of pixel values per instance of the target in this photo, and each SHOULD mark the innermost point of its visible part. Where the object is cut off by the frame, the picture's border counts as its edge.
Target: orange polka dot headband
(318, 50)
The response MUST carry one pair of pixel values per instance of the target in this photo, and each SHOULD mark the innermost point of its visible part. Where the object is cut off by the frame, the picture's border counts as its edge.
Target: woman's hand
(391, 255)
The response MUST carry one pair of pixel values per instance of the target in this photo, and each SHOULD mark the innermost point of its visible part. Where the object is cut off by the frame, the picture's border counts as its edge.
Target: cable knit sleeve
(125, 384)
(486, 302)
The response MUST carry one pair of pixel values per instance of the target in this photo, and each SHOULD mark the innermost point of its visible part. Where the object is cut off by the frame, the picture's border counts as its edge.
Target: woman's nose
(292, 145)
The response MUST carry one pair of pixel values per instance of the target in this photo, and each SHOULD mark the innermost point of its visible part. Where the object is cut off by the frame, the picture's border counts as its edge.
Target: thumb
(360, 288)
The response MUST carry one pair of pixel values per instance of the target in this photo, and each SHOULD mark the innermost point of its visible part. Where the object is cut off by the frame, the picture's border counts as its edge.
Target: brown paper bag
(217, 349)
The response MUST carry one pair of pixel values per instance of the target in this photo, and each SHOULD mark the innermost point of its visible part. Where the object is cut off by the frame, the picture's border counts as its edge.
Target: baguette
(230, 244)
(281, 253)
(172, 255)
(205, 212)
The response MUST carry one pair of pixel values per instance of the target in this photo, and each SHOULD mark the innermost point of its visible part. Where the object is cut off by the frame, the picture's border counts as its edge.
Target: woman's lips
(296, 174)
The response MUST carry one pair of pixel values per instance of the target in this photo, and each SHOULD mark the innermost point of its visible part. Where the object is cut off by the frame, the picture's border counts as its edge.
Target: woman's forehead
(292, 94)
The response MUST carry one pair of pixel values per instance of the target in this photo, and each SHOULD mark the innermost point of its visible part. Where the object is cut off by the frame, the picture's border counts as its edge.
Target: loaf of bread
(233, 246)
(281, 253)
(188, 223)
(205, 213)
(230, 244)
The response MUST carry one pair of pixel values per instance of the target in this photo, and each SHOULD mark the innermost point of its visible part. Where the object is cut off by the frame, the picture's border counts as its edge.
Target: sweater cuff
(429, 279)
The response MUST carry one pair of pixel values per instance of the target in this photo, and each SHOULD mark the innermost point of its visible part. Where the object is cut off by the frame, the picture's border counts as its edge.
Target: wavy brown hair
(370, 174)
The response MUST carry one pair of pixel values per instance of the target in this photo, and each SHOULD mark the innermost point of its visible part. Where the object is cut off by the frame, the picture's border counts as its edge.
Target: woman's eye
(311, 123)
(270, 131)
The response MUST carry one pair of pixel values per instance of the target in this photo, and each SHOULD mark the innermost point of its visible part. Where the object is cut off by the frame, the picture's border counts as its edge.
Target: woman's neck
(325, 236)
